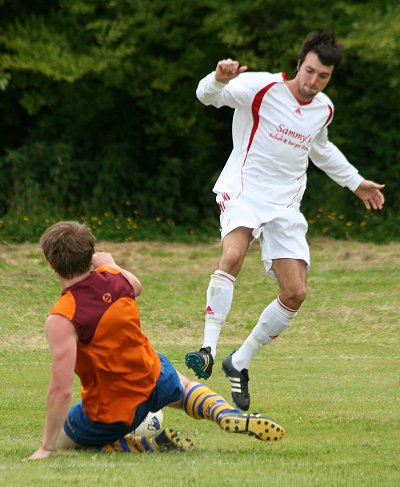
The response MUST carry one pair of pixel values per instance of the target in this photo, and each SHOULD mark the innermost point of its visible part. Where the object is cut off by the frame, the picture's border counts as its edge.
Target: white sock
(275, 318)
(219, 302)
(241, 358)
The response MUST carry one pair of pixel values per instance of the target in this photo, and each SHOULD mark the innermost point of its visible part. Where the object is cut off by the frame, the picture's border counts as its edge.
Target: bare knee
(234, 249)
(183, 379)
(187, 387)
(186, 383)
(293, 296)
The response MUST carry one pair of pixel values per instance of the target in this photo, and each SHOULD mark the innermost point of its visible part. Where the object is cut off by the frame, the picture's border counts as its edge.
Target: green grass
(332, 379)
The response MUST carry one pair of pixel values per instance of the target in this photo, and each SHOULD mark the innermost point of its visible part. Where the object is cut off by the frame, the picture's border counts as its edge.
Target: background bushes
(98, 113)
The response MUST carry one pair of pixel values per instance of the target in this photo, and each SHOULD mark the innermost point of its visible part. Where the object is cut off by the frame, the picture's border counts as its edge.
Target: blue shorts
(86, 432)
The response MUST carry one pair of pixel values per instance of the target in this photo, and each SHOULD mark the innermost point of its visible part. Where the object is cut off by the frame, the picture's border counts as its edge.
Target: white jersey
(273, 137)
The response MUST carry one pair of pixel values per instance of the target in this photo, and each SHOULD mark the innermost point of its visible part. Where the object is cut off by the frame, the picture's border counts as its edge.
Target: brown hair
(325, 46)
(68, 247)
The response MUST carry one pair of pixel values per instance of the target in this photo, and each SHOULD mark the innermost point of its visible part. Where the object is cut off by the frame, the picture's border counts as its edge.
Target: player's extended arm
(62, 340)
(104, 258)
(370, 194)
(215, 89)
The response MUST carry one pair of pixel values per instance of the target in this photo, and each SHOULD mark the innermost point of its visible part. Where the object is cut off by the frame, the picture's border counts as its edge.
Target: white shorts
(281, 231)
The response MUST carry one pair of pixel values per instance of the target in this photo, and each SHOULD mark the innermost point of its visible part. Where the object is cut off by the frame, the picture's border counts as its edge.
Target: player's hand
(39, 454)
(102, 258)
(370, 194)
(228, 69)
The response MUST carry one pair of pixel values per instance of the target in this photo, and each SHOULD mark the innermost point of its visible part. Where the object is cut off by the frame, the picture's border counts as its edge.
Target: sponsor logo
(292, 134)
(107, 298)
(154, 424)
(298, 112)
(209, 311)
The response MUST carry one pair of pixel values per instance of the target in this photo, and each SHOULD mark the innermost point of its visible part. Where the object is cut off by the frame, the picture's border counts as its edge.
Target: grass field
(332, 379)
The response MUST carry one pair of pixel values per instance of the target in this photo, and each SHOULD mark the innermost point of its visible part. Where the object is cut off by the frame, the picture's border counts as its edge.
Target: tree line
(98, 109)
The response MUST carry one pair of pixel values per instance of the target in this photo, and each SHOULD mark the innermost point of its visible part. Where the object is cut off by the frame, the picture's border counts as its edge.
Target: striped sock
(131, 443)
(200, 402)
(165, 440)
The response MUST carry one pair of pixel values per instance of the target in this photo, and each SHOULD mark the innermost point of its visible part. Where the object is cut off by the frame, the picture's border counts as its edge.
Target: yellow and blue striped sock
(200, 402)
(131, 443)
(165, 440)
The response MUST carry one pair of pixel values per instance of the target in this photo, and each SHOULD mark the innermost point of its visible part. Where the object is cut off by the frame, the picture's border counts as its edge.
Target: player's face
(312, 76)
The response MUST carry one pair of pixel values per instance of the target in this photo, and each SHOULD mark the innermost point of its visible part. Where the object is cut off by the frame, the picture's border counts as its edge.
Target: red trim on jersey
(301, 185)
(329, 116)
(302, 103)
(298, 191)
(255, 108)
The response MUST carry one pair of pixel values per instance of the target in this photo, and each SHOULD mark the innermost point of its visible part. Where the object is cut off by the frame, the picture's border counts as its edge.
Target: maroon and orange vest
(116, 363)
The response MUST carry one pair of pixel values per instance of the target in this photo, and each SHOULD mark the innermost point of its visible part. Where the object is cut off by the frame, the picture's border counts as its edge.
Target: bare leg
(275, 318)
(219, 299)
(291, 274)
(221, 286)
(185, 382)
(234, 248)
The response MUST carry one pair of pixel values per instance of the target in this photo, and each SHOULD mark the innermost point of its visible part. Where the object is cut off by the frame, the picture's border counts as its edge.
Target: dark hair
(68, 247)
(326, 47)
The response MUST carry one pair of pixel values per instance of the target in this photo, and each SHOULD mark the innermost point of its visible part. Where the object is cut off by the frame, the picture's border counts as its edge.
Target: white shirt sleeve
(239, 92)
(332, 161)
(209, 91)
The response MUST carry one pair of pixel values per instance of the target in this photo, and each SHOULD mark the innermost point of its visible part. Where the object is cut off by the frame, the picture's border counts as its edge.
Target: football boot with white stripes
(200, 362)
(239, 383)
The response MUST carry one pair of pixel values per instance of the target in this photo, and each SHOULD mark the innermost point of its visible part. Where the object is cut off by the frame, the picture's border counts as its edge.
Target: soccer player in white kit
(278, 124)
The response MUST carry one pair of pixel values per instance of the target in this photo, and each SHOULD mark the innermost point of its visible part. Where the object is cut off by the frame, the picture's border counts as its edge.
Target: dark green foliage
(98, 110)
(18, 226)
